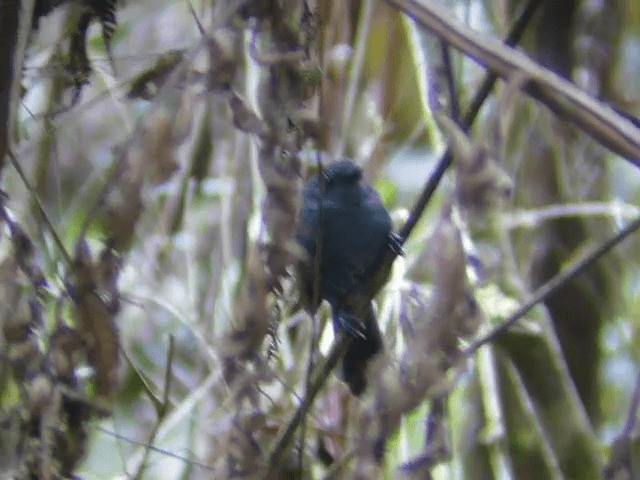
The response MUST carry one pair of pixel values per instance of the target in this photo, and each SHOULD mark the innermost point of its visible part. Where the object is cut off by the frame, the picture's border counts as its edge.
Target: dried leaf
(95, 322)
(244, 118)
(482, 184)
(158, 143)
(147, 84)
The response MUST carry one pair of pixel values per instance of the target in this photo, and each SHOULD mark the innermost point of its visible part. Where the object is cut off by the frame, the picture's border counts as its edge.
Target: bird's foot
(351, 325)
(395, 244)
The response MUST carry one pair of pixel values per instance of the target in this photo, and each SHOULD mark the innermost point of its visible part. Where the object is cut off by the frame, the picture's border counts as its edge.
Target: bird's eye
(328, 179)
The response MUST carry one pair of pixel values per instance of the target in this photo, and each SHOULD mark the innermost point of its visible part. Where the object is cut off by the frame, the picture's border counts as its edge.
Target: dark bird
(345, 218)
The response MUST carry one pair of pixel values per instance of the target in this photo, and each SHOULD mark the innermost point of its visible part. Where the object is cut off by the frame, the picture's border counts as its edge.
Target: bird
(344, 218)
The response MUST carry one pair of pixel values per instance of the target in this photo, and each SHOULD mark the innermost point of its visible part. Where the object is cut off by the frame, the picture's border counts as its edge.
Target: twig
(553, 285)
(43, 213)
(454, 101)
(161, 410)
(307, 385)
(561, 96)
(514, 36)
(621, 462)
(355, 72)
(148, 446)
(338, 348)
(531, 218)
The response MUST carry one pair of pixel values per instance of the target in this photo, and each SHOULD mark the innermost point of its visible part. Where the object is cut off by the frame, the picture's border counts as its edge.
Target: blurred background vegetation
(184, 155)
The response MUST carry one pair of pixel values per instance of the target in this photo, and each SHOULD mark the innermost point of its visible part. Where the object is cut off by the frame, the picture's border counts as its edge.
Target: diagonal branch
(552, 286)
(562, 97)
(514, 36)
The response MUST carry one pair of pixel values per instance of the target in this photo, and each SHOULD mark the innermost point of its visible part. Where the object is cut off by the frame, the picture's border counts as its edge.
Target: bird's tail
(364, 345)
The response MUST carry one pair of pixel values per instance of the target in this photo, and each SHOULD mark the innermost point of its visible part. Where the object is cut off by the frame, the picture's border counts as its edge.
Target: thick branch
(561, 96)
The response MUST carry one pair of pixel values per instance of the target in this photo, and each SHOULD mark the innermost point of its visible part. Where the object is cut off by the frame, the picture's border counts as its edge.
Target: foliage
(150, 322)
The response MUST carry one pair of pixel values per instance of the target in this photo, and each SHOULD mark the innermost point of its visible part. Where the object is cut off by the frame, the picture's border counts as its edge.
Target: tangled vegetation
(152, 161)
